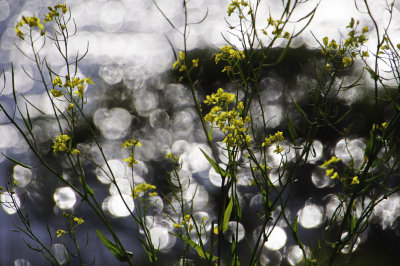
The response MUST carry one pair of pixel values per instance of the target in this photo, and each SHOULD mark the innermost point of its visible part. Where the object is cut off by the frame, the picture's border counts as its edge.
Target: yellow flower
(355, 181)
(80, 91)
(333, 160)
(335, 175)
(60, 143)
(195, 62)
(181, 55)
(142, 188)
(216, 230)
(75, 152)
(88, 80)
(278, 149)
(176, 64)
(131, 143)
(278, 136)
(286, 35)
(153, 194)
(183, 68)
(177, 225)
(333, 45)
(384, 125)
(57, 81)
(79, 220)
(60, 232)
(131, 160)
(347, 61)
(227, 53)
(70, 106)
(329, 172)
(365, 54)
(56, 93)
(20, 34)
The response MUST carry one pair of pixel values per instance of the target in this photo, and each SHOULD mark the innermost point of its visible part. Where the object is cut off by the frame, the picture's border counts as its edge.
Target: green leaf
(17, 162)
(369, 149)
(292, 130)
(371, 72)
(214, 165)
(198, 249)
(353, 223)
(115, 250)
(296, 225)
(210, 133)
(396, 106)
(86, 187)
(227, 215)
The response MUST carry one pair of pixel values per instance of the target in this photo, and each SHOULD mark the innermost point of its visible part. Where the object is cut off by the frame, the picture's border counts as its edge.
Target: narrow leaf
(371, 72)
(214, 165)
(198, 249)
(353, 223)
(115, 250)
(227, 215)
(17, 162)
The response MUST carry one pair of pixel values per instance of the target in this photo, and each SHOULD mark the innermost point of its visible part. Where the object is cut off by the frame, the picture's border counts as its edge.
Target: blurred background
(135, 95)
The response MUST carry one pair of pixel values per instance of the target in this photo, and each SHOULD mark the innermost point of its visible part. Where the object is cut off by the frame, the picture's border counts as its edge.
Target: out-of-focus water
(129, 54)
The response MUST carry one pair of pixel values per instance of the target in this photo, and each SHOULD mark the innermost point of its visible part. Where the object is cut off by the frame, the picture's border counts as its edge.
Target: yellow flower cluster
(60, 233)
(232, 122)
(278, 26)
(31, 22)
(180, 62)
(131, 160)
(274, 139)
(144, 188)
(131, 143)
(331, 161)
(331, 171)
(220, 98)
(355, 181)
(54, 12)
(353, 39)
(78, 220)
(351, 46)
(75, 221)
(347, 61)
(236, 4)
(76, 82)
(227, 53)
(186, 222)
(60, 144)
(172, 158)
(56, 93)
(383, 126)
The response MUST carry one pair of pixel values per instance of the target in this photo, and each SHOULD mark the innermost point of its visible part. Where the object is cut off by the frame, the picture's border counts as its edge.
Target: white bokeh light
(65, 198)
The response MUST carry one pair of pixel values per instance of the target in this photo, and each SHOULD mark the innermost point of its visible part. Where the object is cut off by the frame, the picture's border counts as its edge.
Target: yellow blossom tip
(355, 181)
(60, 233)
